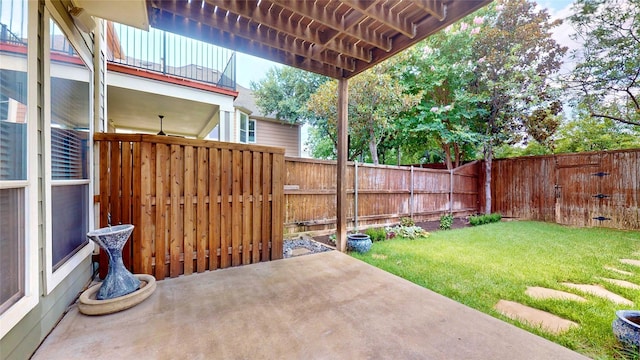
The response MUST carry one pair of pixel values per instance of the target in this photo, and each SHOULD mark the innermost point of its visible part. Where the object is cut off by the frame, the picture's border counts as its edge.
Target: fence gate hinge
(600, 174)
(601, 218)
(601, 196)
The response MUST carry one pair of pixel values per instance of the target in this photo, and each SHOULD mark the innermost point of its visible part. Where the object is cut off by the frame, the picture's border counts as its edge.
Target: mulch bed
(429, 226)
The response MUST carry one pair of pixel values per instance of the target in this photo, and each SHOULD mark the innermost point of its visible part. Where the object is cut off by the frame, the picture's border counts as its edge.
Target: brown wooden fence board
(196, 205)
(189, 221)
(214, 208)
(162, 189)
(202, 210)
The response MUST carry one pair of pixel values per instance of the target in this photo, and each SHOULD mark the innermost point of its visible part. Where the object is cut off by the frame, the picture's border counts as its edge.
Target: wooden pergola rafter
(336, 38)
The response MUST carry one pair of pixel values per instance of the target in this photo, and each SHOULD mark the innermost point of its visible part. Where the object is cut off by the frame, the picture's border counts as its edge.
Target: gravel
(314, 247)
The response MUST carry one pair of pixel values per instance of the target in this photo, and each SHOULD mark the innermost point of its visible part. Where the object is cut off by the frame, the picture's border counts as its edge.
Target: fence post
(355, 195)
(411, 206)
(451, 191)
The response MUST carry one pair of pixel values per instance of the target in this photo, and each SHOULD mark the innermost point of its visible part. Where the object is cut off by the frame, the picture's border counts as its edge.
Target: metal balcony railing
(171, 54)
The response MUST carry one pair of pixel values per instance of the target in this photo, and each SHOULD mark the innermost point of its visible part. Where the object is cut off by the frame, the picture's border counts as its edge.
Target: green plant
(405, 221)
(476, 220)
(376, 234)
(408, 232)
(446, 221)
(332, 239)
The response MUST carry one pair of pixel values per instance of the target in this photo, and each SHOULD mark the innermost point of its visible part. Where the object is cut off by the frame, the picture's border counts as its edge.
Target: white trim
(21, 308)
(16, 184)
(54, 278)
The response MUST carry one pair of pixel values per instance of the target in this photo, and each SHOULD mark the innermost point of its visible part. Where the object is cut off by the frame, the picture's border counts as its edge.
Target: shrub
(408, 232)
(405, 221)
(332, 239)
(376, 234)
(476, 220)
(446, 221)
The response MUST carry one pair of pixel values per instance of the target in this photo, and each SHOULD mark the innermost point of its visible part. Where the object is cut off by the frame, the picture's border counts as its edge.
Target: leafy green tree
(441, 73)
(375, 100)
(591, 133)
(607, 75)
(284, 92)
(516, 58)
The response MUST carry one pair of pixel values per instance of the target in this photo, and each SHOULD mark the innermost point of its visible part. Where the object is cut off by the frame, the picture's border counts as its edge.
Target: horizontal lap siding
(278, 134)
(196, 205)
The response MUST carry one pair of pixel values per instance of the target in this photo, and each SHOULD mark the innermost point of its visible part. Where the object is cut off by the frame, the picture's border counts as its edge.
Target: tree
(284, 92)
(591, 133)
(375, 100)
(440, 72)
(608, 71)
(516, 58)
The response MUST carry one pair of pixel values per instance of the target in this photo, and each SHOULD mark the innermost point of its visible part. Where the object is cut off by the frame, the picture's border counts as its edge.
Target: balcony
(161, 52)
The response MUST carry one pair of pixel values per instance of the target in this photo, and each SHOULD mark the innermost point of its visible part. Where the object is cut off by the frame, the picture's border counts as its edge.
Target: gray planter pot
(359, 242)
(626, 328)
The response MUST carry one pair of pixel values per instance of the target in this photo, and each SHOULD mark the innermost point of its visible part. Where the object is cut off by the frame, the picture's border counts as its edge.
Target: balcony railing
(171, 54)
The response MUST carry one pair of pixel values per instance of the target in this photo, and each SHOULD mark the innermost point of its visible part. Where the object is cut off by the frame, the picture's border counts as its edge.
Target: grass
(478, 266)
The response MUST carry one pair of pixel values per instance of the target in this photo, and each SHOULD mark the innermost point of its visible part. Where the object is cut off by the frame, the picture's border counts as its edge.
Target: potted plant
(358, 242)
(626, 328)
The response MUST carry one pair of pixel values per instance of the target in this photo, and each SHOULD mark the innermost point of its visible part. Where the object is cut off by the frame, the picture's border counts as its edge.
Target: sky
(250, 68)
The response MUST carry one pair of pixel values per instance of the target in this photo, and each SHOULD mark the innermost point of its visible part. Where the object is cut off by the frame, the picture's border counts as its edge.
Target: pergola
(339, 39)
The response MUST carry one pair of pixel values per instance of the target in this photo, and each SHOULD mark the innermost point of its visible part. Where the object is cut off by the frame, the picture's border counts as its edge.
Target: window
(13, 156)
(247, 129)
(70, 118)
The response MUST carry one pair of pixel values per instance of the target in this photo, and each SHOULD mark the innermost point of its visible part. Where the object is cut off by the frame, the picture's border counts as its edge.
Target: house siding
(280, 135)
(25, 337)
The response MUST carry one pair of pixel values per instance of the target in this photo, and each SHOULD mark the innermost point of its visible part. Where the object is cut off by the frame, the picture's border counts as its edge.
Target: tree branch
(615, 118)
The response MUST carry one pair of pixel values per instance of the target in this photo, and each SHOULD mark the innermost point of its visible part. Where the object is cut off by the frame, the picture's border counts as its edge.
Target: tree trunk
(373, 147)
(399, 157)
(456, 149)
(447, 155)
(488, 157)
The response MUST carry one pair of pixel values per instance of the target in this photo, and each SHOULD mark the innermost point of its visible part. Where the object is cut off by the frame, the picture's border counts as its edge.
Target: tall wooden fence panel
(376, 194)
(583, 189)
(196, 205)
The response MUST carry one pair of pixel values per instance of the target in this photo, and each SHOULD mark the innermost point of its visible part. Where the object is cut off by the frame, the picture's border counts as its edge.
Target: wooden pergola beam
(434, 7)
(329, 20)
(387, 16)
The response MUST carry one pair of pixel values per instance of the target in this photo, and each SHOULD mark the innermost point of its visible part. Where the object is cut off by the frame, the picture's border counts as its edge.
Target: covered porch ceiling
(339, 39)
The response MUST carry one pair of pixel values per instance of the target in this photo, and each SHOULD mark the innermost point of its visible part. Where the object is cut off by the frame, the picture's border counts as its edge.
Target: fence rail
(378, 194)
(196, 205)
(583, 189)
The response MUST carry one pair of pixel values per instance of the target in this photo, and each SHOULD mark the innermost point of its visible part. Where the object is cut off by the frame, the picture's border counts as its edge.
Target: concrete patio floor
(322, 306)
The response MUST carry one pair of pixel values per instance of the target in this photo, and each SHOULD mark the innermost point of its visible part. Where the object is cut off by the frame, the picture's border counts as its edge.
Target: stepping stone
(546, 321)
(599, 291)
(622, 283)
(618, 270)
(300, 251)
(630, 262)
(537, 292)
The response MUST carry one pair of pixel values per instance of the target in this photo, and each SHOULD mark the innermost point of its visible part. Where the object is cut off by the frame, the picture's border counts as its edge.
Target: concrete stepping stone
(599, 291)
(546, 321)
(633, 262)
(622, 283)
(537, 292)
(610, 268)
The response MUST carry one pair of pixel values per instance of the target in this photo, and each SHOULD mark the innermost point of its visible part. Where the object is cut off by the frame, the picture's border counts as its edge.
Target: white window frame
(54, 278)
(21, 308)
(248, 121)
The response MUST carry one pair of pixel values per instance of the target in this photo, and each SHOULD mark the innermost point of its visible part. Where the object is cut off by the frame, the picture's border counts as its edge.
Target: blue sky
(250, 68)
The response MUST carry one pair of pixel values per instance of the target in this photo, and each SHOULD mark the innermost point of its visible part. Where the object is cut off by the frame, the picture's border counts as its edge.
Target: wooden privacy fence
(583, 189)
(377, 195)
(196, 205)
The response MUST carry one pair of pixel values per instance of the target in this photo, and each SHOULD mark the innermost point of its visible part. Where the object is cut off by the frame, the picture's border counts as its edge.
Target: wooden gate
(576, 189)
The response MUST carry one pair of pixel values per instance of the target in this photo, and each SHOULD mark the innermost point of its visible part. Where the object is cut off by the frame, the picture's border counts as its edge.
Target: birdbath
(119, 281)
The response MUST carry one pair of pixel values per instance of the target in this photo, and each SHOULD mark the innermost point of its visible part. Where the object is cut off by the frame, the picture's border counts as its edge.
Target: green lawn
(480, 265)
